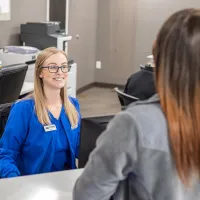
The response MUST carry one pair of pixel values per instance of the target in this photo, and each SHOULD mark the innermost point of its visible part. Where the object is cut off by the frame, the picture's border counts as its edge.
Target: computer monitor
(91, 128)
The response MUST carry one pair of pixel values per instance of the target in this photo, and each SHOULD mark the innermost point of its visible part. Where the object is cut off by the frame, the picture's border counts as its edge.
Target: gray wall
(21, 12)
(138, 26)
(118, 33)
(151, 14)
(116, 29)
(83, 21)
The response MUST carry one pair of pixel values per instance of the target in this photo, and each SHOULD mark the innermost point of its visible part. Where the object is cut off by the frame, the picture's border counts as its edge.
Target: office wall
(151, 14)
(21, 12)
(83, 21)
(128, 28)
(116, 29)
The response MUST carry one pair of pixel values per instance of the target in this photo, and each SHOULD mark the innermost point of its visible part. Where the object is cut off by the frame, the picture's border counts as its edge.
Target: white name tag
(72, 128)
(51, 127)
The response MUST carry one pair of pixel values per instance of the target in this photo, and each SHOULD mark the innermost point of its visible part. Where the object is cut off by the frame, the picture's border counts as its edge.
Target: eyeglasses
(54, 69)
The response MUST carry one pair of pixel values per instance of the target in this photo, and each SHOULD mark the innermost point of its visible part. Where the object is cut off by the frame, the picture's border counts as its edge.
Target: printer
(44, 34)
(11, 55)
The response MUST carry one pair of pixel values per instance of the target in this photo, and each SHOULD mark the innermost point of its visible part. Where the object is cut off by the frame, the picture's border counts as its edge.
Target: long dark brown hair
(177, 60)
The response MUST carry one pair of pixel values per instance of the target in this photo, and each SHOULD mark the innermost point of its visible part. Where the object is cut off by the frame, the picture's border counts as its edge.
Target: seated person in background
(141, 84)
(42, 131)
(152, 149)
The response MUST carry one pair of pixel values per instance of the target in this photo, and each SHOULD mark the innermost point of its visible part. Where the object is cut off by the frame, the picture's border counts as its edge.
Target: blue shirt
(25, 147)
(62, 146)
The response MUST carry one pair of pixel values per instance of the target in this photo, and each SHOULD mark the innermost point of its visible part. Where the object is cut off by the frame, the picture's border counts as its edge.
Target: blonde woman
(42, 131)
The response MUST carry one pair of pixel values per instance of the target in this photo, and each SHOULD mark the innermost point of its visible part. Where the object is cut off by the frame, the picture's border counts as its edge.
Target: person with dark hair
(141, 84)
(152, 149)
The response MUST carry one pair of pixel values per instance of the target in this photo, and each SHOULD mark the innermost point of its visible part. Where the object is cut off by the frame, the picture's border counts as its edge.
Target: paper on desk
(4, 6)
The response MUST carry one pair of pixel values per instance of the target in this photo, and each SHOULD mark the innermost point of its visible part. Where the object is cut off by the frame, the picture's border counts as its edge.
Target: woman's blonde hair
(39, 96)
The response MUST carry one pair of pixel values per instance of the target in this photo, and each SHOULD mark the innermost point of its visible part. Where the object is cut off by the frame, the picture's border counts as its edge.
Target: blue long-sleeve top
(61, 156)
(26, 148)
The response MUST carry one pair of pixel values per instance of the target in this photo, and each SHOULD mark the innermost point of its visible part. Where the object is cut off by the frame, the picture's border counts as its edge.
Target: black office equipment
(91, 128)
(43, 34)
(11, 82)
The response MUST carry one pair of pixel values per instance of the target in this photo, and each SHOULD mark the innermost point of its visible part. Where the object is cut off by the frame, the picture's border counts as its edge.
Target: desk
(26, 88)
(51, 186)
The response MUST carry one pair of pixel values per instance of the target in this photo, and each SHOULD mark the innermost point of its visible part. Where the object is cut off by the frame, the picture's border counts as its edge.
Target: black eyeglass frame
(58, 67)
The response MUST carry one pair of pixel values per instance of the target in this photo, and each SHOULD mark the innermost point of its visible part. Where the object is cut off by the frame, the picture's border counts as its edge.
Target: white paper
(4, 6)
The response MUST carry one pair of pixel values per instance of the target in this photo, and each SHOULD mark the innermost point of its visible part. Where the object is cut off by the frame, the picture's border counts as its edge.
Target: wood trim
(108, 85)
(99, 84)
(84, 88)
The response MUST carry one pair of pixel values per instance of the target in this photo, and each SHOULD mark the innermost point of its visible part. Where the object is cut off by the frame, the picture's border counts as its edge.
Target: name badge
(51, 127)
(72, 128)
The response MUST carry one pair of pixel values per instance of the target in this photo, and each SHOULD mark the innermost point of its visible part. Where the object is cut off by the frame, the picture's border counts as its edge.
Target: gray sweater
(132, 160)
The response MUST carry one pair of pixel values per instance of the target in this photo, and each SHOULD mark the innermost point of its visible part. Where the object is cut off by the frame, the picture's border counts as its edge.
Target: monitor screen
(91, 128)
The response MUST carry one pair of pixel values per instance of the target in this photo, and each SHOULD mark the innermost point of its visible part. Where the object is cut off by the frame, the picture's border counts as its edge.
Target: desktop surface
(51, 186)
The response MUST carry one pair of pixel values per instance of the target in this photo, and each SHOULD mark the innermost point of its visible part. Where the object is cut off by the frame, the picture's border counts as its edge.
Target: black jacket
(141, 84)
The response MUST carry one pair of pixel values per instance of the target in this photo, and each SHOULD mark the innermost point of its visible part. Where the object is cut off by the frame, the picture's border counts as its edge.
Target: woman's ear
(41, 76)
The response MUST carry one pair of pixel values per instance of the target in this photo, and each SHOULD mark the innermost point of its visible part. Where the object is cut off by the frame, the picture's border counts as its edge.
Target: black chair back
(11, 82)
(91, 128)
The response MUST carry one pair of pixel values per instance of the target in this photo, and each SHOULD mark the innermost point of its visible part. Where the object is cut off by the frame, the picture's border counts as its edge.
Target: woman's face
(52, 76)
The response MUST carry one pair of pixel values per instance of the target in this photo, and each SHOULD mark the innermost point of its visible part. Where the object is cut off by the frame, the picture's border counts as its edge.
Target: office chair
(91, 128)
(11, 82)
(4, 113)
(124, 98)
(142, 67)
